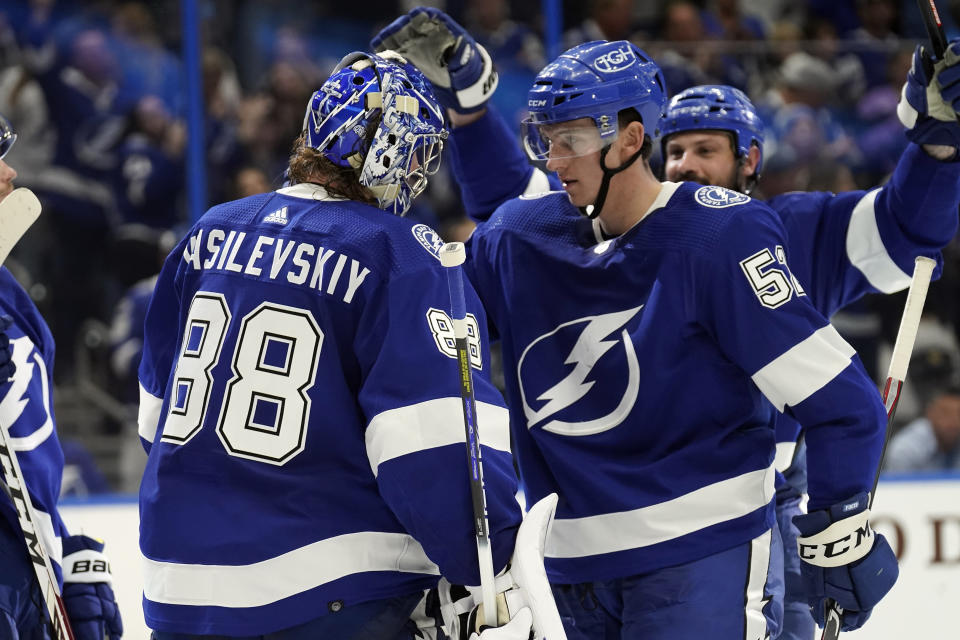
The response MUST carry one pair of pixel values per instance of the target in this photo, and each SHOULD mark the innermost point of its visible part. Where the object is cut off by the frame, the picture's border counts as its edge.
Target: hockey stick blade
(18, 211)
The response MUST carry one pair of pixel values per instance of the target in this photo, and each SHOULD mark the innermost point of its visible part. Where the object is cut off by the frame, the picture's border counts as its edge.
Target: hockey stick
(18, 211)
(896, 374)
(452, 255)
(931, 21)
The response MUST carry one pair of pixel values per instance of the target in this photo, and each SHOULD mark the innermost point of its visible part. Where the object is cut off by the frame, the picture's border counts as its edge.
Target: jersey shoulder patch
(719, 197)
(428, 239)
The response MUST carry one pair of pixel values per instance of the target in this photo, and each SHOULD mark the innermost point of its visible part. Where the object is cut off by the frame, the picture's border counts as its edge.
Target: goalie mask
(385, 92)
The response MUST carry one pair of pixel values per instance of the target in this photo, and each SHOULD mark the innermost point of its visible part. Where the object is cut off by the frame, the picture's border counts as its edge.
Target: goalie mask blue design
(595, 80)
(716, 108)
(391, 97)
(7, 136)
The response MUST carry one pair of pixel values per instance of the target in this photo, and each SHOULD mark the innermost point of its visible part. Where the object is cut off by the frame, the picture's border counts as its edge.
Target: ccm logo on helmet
(536, 103)
(616, 60)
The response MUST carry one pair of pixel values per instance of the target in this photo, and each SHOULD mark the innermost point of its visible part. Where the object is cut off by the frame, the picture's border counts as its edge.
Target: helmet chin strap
(593, 210)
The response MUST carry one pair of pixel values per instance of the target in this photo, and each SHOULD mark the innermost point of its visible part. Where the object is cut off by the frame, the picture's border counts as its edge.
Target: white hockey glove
(460, 69)
(525, 606)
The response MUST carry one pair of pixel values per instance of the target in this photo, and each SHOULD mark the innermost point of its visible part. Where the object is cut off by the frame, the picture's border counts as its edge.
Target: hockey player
(915, 214)
(300, 396)
(846, 245)
(26, 401)
(529, 229)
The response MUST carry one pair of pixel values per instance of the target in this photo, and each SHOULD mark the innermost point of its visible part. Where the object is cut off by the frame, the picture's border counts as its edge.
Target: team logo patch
(719, 197)
(429, 238)
(592, 356)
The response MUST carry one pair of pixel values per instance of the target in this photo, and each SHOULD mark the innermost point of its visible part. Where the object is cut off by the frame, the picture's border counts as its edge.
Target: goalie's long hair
(310, 165)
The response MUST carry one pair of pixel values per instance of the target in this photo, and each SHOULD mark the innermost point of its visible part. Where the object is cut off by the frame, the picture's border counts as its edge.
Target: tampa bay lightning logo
(429, 238)
(580, 343)
(719, 197)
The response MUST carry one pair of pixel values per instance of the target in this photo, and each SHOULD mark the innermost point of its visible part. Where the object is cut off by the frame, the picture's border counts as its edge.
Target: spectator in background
(849, 81)
(932, 441)
(879, 143)
(685, 61)
(249, 181)
(512, 45)
(148, 68)
(607, 20)
(875, 39)
(726, 19)
(221, 97)
(149, 179)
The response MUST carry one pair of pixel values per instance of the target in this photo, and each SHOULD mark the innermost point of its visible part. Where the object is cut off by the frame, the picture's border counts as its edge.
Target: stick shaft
(896, 374)
(474, 461)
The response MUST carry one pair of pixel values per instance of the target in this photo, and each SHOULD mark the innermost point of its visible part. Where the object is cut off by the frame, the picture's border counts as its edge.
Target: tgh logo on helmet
(616, 60)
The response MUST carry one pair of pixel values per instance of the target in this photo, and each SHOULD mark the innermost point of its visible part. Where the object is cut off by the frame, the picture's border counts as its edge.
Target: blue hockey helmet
(594, 80)
(7, 136)
(386, 91)
(715, 107)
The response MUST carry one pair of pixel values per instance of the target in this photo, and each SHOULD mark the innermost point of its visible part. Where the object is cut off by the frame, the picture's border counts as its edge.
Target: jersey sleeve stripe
(38, 437)
(866, 250)
(148, 415)
(689, 513)
(431, 424)
(784, 457)
(286, 575)
(804, 369)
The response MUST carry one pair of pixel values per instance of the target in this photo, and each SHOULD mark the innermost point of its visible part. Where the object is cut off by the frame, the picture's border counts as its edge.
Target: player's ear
(631, 138)
(751, 161)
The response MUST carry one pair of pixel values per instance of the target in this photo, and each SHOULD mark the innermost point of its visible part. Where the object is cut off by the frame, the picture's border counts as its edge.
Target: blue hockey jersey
(643, 371)
(841, 246)
(300, 400)
(26, 408)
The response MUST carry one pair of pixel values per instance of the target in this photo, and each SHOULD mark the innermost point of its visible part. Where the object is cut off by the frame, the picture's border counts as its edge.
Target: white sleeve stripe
(148, 416)
(431, 424)
(539, 183)
(804, 369)
(784, 457)
(866, 251)
(283, 576)
(38, 437)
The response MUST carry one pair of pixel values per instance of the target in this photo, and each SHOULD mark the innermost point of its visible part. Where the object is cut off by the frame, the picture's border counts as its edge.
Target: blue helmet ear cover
(717, 108)
(598, 80)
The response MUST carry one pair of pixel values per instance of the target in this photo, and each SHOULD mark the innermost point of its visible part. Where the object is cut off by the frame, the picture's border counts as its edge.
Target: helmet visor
(571, 139)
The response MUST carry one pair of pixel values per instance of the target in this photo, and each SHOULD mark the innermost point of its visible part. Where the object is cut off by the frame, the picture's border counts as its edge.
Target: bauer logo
(429, 238)
(719, 197)
(616, 60)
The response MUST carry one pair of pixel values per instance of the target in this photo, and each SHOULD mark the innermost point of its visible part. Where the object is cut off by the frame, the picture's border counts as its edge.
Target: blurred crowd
(95, 90)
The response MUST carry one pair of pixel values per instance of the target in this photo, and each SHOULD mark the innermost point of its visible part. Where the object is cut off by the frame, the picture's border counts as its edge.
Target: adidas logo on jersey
(279, 216)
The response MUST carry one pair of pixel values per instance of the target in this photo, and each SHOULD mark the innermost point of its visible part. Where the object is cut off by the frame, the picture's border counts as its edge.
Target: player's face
(7, 176)
(702, 156)
(581, 174)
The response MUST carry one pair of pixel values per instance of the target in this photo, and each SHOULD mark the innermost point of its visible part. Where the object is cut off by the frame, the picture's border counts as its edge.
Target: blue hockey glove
(844, 560)
(930, 99)
(7, 367)
(460, 70)
(87, 590)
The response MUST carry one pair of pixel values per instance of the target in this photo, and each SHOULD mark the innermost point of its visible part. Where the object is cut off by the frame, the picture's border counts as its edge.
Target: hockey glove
(525, 606)
(930, 99)
(844, 560)
(7, 367)
(87, 591)
(460, 70)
